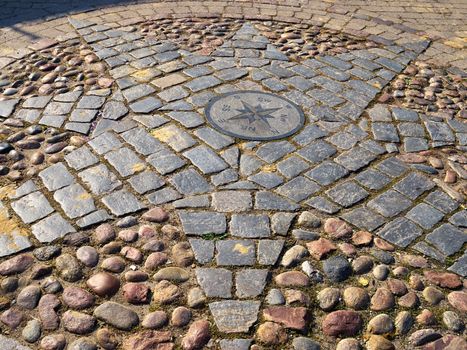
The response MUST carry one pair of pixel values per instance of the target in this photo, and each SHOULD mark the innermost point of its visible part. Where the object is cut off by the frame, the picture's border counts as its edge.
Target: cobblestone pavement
(220, 182)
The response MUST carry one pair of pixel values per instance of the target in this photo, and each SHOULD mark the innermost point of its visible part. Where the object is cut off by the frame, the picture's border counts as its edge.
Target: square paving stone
(75, 201)
(146, 181)
(460, 266)
(91, 102)
(447, 238)
(213, 138)
(400, 231)
(392, 167)
(265, 200)
(373, 179)
(125, 161)
(355, 158)
(323, 204)
(143, 142)
(36, 102)
(347, 193)
(32, 207)
(384, 132)
(196, 201)
(105, 142)
(190, 182)
(403, 114)
(203, 250)
(13, 242)
(317, 151)
(424, 215)
(250, 283)
(235, 344)
(165, 161)
(428, 250)
(81, 158)
(201, 83)
(99, 179)
(266, 179)
(138, 91)
(174, 137)
(440, 131)
(231, 201)
(298, 189)
(292, 166)
(200, 223)
(459, 219)
(269, 251)
(250, 226)
(343, 140)
(413, 185)
(122, 202)
(216, 283)
(93, 218)
(187, 119)
(56, 176)
(146, 105)
(51, 228)
(24, 189)
(58, 108)
(273, 151)
(309, 134)
(55, 121)
(164, 195)
(442, 201)
(205, 159)
(390, 203)
(235, 253)
(327, 173)
(364, 218)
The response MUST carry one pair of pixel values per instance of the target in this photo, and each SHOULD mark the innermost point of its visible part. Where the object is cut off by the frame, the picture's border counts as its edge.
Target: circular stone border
(214, 123)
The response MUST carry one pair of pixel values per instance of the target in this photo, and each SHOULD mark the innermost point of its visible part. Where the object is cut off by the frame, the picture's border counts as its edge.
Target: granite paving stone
(250, 283)
(56, 176)
(32, 207)
(424, 215)
(51, 228)
(347, 193)
(447, 238)
(250, 226)
(205, 159)
(99, 179)
(200, 223)
(235, 253)
(189, 182)
(390, 203)
(216, 282)
(122, 202)
(400, 231)
(74, 200)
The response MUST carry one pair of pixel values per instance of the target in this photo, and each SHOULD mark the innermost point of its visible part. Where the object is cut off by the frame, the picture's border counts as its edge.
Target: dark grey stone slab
(265, 200)
(447, 238)
(200, 223)
(164, 195)
(400, 231)
(233, 316)
(298, 189)
(250, 225)
(347, 193)
(442, 201)
(269, 251)
(146, 181)
(373, 179)
(203, 250)
(413, 185)
(235, 253)
(216, 282)
(81, 158)
(390, 203)
(364, 218)
(327, 173)
(125, 161)
(424, 215)
(205, 159)
(250, 283)
(190, 182)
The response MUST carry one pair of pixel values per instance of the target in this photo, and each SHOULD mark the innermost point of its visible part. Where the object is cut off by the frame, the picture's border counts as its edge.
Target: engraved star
(252, 113)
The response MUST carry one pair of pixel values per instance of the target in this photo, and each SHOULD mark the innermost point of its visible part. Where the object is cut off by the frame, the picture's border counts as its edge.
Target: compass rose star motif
(255, 113)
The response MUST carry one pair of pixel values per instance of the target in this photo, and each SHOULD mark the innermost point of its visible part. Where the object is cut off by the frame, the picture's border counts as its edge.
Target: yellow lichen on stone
(240, 248)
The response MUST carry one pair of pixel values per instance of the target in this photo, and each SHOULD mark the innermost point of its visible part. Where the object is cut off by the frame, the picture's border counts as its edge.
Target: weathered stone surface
(148, 340)
(234, 316)
(197, 336)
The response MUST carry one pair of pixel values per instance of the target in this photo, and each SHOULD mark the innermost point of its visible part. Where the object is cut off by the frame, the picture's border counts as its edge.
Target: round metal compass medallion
(254, 115)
